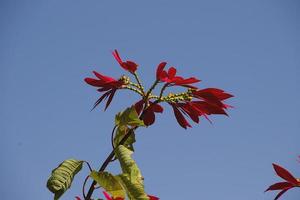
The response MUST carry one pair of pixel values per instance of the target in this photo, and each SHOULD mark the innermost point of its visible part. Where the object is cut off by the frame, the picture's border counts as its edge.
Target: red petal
(163, 76)
(281, 193)
(113, 84)
(139, 106)
(104, 89)
(191, 111)
(160, 69)
(208, 96)
(187, 81)
(153, 197)
(117, 56)
(280, 186)
(104, 96)
(180, 118)
(112, 93)
(176, 79)
(102, 77)
(149, 117)
(285, 174)
(171, 72)
(219, 93)
(77, 198)
(130, 66)
(206, 108)
(157, 108)
(94, 82)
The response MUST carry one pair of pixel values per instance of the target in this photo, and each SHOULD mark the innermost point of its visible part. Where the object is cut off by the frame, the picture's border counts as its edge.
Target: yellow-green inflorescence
(174, 98)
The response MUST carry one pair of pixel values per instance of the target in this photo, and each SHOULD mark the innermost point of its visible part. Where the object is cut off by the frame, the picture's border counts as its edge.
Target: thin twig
(139, 83)
(107, 161)
(112, 136)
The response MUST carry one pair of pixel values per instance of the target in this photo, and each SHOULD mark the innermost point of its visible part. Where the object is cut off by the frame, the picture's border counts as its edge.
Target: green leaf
(128, 117)
(61, 177)
(127, 163)
(135, 190)
(120, 133)
(131, 179)
(109, 183)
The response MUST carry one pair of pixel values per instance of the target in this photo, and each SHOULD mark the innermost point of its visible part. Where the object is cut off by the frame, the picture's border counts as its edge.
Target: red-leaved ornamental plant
(192, 103)
(289, 183)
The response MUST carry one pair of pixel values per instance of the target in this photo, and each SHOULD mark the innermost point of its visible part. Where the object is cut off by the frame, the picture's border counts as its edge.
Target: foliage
(192, 103)
(62, 177)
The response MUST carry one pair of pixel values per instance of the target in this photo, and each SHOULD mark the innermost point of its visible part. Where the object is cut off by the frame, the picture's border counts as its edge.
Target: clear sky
(248, 48)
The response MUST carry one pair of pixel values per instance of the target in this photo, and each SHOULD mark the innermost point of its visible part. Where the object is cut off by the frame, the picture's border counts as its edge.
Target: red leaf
(94, 82)
(139, 106)
(187, 81)
(206, 108)
(156, 108)
(153, 197)
(112, 93)
(180, 118)
(281, 193)
(280, 186)
(149, 117)
(285, 174)
(209, 97)
(191, 112)
(104, 96)
(171, 72)
(117, 56)
(102, 77)
(128, 65)
(160, 69)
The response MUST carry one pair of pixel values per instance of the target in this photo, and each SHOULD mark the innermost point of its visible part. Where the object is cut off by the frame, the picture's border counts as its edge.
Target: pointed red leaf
(149, 117)
(180, 118)
(112, 93)
(187, 81)
(191, 112)
(281, 193)
(139, 106)
(130, 66)
(94, 82)
(160, 69)
(104, 96)
(157, 108)
(102, 77)
(153, 197)
(285, 174)
(208, 97)
(117, 56)
(280, 186)
(171, 72)
(219, 93)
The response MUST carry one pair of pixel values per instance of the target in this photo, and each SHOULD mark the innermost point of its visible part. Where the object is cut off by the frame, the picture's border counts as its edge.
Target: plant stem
(107, 161)
(151, 88)
(139, 83)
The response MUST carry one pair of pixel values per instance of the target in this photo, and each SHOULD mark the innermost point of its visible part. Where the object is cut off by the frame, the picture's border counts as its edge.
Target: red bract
(149, 112)
(290, 182)
(213, 96)
(127, 65)
(105, 84)
(171, 78)
(179, 117)
(211, 102)
(153, 197)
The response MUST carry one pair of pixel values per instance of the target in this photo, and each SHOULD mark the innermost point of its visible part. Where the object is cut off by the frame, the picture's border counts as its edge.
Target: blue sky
(248, 48)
